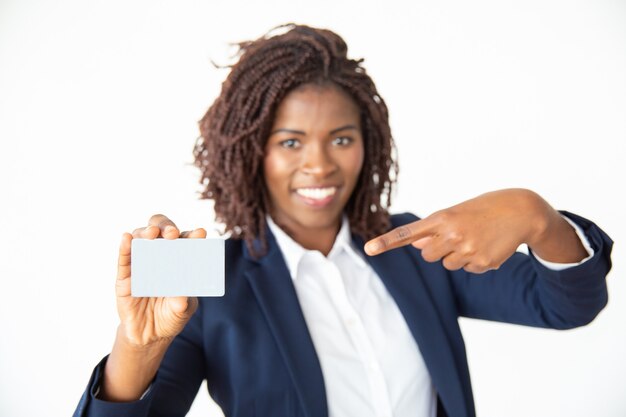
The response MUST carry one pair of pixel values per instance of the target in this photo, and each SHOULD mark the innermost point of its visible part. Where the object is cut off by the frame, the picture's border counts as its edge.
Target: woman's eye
(342, 141)
(290, 143)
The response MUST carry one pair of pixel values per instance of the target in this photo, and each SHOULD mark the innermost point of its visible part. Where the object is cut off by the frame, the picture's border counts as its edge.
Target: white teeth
(317, 193)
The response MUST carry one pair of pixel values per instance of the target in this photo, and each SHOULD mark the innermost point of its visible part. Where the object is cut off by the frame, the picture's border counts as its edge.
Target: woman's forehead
(314, 103)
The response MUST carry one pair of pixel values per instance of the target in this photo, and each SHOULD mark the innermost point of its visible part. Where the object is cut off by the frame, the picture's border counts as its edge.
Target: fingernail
(372, 247)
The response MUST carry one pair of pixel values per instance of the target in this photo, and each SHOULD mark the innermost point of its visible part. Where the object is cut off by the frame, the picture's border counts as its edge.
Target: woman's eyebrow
(346, 127)
(295, 132)
(301, 132)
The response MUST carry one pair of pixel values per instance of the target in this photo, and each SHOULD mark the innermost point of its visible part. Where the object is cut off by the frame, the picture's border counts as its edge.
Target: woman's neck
(311, 238)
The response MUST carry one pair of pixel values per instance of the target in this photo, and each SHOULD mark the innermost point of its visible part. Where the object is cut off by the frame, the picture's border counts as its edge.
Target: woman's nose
(317, 161)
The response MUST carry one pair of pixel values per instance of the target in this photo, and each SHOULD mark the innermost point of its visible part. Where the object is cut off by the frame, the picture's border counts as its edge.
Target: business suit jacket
(254, 349)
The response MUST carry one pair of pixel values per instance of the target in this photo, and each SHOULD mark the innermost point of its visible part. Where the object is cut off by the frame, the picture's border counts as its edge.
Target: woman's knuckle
(450, 264)
(429, 256)
(468, 249)
(455, 236)
(441, 216)
(155, 218)
(402, 232)
(484, 263)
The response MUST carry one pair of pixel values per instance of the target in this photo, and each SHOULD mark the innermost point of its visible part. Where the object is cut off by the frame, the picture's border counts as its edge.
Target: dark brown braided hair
(235, 129)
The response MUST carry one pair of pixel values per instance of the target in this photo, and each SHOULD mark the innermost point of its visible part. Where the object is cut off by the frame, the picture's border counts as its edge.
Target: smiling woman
(312, 163)
(296, 153)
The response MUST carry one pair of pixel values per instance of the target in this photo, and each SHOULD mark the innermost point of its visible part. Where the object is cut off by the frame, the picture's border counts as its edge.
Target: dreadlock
(234, 131)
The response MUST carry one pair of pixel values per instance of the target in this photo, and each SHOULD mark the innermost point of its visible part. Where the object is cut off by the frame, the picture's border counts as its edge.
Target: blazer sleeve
(173, 390)
(524, 291)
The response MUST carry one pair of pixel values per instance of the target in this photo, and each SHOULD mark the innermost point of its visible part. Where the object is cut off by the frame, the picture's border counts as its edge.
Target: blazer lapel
(399, 273)
(273, 288)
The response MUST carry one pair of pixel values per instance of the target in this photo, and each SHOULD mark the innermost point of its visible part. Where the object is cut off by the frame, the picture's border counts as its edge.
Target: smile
(317, 196)
(317, 193)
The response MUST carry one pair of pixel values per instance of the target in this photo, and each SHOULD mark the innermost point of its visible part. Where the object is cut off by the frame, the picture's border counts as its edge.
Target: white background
(99, 102)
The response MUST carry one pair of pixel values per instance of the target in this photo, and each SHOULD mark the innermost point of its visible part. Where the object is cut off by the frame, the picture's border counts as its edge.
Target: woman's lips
(317, 196)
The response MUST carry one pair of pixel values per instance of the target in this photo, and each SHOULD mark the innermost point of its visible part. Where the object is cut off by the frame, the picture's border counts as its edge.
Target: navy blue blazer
(253, 347)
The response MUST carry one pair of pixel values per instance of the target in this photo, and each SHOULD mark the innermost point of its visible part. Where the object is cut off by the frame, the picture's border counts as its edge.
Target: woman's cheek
(279, 167)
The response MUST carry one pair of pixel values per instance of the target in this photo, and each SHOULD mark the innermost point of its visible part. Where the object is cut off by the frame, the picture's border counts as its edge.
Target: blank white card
(177, 267)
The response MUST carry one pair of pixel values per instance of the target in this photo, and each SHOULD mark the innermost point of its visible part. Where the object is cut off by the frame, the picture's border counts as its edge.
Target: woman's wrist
(131, 368)
(553, 238)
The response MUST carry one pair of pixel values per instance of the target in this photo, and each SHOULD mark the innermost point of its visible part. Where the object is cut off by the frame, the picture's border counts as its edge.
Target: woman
(296, 152)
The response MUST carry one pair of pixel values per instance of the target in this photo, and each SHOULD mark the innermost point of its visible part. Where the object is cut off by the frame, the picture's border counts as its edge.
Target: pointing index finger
(400, 236)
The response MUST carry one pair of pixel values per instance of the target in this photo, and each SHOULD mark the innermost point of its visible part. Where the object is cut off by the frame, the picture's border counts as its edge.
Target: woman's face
(313, 158)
